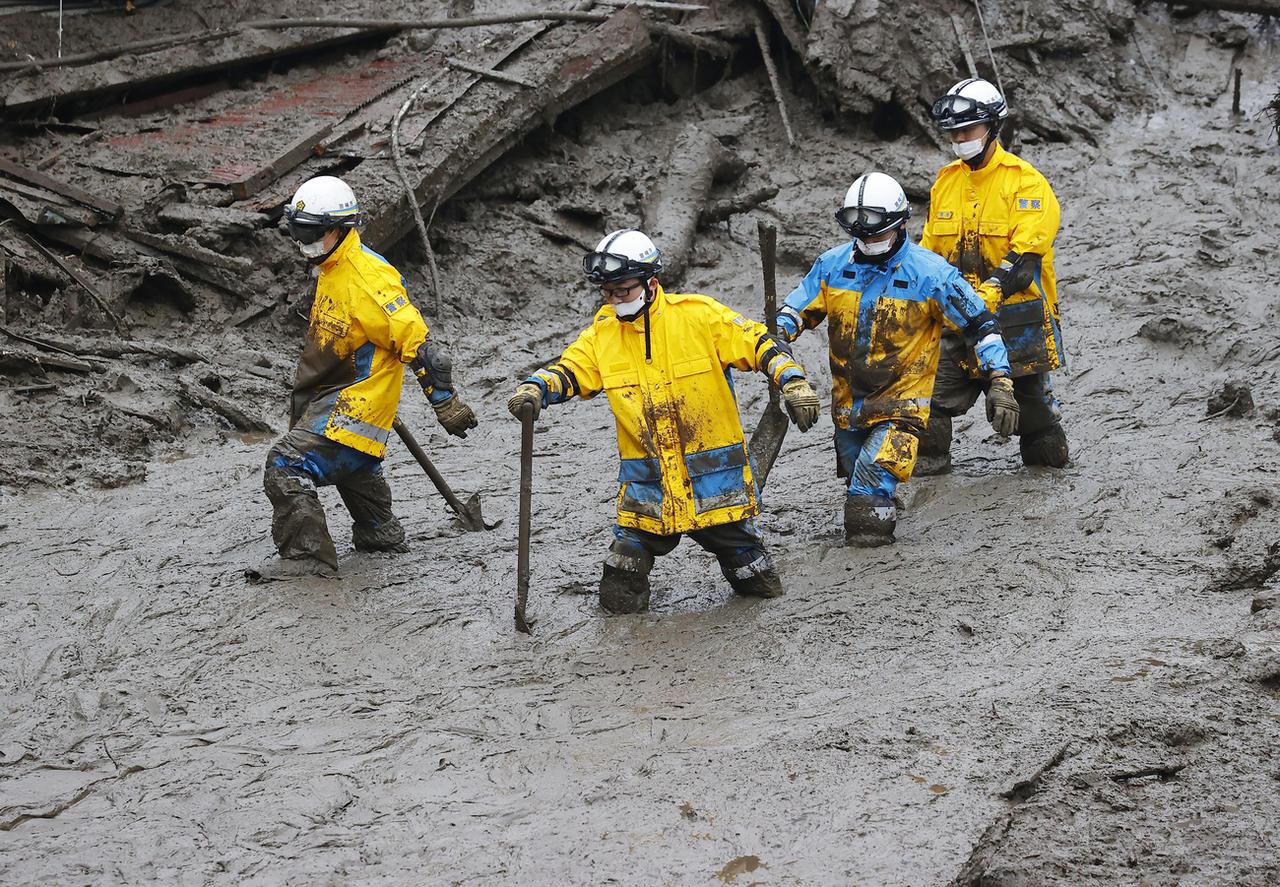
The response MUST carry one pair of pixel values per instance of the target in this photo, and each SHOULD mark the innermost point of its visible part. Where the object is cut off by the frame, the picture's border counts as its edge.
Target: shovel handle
(436, 478)
(768, 265)
(526, 517)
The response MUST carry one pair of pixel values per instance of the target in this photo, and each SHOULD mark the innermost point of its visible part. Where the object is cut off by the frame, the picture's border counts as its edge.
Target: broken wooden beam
(134, 48)
(202, 396)
(692, 39)
(109, 208)
(487, 119)
(223, 219)
(83, 282)
(287, 159)
(13, 359)
(672, 209)
(184, 248)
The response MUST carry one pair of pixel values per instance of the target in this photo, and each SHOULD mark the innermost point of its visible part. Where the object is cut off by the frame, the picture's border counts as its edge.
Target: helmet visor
(866, 221)
(305, 234)
(609, 267)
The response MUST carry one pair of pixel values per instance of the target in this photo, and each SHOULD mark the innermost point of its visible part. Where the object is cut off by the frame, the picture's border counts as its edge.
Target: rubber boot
(935, 447)
(623, 591)
(1048, 447)
(869, 521)
(766, 583)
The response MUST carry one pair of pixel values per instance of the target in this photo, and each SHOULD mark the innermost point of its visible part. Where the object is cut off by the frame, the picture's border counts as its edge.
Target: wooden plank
(109, 208)
(290, 157)
(188, 250)
(569, 64)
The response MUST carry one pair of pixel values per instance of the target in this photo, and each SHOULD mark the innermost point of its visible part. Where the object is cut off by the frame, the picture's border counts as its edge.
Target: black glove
(455, 416)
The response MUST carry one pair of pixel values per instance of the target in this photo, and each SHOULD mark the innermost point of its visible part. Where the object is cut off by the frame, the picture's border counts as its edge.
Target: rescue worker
(994, 217)
(664, 360)
(362, 331)
(887, 300)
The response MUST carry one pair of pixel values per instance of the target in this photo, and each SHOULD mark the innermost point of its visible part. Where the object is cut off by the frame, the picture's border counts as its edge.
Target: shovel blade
(471, 518)
(766, 442)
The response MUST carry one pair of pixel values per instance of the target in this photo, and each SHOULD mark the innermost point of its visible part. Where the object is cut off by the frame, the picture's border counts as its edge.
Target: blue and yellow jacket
(684, 461)
(885, 320)
(979, 219)
(362, 331)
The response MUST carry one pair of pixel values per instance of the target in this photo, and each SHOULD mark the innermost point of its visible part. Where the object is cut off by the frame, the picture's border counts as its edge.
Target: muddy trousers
(738, 546)
(874, 461)
(1040, 436)
(300, 462)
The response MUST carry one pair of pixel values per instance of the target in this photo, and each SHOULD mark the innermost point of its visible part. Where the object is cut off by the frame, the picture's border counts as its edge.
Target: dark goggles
(958, 111)
(866, 221)
(307, 228)
(609, 267)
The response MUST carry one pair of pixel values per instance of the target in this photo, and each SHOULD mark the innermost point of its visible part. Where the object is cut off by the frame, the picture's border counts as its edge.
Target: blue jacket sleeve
(964, 311)
(806, 306)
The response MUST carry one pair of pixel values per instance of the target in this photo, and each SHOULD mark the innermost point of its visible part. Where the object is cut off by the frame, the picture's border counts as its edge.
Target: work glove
(528, 395)
(802, 403)
(1002, 406)
(455, 416)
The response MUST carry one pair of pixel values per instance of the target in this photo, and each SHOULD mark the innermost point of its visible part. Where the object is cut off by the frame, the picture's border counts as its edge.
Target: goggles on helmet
(958, 111)
(868, 221)
(305, 227)
(610, 267)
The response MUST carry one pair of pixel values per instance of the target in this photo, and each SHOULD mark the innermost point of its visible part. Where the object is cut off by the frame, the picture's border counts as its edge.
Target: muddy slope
(1053, 678)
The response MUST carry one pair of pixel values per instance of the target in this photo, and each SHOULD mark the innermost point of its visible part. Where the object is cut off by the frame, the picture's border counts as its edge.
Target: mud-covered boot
(869, 521)
(622, 591)
(934, 456)
(755, 578)
(387, 537)
(1048, 447)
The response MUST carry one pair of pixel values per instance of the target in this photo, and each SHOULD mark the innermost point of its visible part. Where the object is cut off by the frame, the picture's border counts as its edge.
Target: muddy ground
(1054, 677)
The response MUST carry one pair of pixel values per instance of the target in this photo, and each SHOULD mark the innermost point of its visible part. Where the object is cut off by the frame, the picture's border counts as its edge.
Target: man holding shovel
(362, 331)
(664, 361)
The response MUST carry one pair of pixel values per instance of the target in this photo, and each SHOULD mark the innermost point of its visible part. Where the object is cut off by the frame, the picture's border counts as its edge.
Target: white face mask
(968, 150)
(875, 249)
(630, 309)
(312, 250)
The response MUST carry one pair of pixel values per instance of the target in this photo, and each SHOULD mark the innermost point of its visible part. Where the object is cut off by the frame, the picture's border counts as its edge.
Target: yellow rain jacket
(977, 218)
(684, 462)
(363, 330)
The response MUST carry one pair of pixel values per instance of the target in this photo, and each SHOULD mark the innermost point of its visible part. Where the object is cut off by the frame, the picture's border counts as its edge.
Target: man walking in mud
(362, 331)
(994, 216)
(664, 361)
(887, 300)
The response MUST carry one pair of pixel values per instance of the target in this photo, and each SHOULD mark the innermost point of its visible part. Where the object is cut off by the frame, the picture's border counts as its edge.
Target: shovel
(526, 515)
(766, 440)
(469, 512)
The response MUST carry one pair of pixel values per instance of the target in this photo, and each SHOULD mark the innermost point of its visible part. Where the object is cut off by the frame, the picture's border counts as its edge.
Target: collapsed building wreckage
(145, 178)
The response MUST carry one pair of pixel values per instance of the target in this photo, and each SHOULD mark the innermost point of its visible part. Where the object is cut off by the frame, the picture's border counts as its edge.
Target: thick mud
(1054, 677)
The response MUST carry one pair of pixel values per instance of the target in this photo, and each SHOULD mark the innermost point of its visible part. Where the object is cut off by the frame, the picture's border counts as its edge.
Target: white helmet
(875, 203)
(623, 255)
(968, 102)
(320, 205)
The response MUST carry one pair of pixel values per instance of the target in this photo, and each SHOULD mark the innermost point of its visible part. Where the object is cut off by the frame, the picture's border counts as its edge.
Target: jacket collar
(655, 307)
(998, 157)
(349, 244)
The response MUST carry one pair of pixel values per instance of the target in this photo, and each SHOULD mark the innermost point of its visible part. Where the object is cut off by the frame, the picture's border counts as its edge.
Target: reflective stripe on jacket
(885, 320)
(977, 217)
(362, 331)
(684, 461)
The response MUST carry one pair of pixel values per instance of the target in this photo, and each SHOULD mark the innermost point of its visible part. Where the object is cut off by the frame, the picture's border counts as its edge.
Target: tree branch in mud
(1259, 7)
(199, 394)
(678, 199)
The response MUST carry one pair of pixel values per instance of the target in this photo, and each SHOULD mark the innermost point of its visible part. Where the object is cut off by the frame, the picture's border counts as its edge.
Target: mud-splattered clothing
(363, 330)
(979, 219)
(885, 320)
(300, 462)
(684, 461)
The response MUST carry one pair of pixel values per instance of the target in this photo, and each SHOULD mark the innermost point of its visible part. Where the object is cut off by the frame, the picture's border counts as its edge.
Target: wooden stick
(526, 519)
(763, 40)
(1260, 7)
(489, 73)
(84, 284)
(655, 4)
